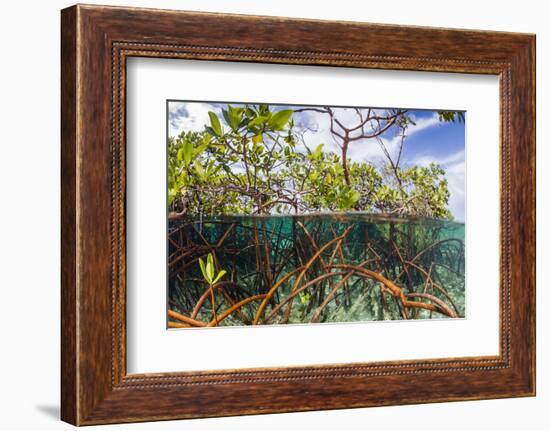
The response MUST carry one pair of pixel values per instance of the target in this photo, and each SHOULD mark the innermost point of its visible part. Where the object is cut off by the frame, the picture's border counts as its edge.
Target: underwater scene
(283, 214)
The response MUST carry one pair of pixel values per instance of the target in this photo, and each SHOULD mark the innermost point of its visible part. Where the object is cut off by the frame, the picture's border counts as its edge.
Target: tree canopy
(247, 162)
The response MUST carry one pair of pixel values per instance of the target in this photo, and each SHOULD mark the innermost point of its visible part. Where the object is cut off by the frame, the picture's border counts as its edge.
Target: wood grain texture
(69, 397)
(96, 41)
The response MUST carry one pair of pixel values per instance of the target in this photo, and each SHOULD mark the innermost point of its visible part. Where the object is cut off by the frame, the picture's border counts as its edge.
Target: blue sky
(430, 140)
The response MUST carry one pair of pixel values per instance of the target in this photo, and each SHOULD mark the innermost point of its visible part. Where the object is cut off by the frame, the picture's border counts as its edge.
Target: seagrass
(96, 42)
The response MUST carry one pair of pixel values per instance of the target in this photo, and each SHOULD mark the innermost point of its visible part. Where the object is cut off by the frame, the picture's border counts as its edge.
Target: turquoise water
(336, 263)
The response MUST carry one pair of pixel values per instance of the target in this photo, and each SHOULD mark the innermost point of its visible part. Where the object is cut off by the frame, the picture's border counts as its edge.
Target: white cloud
(189, 116)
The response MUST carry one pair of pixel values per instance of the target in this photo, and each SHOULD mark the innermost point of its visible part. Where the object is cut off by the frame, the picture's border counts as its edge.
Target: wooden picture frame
(95, 43)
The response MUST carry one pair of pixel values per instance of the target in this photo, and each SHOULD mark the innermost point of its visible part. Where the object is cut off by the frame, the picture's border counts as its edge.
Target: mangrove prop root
(309, 284)
(232, 302)
(434, 284)
(271, 292)
(397, 292)
(178, 325)
(300, 290)
(202, 299)
(234, 308)
(328, 298)
(312, 242)
(185, 319)
(310, 262)
(430, 247)
(444, 308)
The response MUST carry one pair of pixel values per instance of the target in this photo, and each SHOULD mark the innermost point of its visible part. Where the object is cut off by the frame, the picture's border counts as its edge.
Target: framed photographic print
(252, 205)
(263, 213)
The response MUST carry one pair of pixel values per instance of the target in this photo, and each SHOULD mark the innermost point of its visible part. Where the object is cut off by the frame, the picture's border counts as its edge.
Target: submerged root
(311, 268)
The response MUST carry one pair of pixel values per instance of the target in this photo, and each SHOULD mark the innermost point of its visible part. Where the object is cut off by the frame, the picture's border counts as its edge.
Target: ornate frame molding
(96, 41)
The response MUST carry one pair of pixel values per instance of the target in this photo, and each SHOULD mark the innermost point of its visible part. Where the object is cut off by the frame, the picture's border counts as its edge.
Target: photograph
(285, 214)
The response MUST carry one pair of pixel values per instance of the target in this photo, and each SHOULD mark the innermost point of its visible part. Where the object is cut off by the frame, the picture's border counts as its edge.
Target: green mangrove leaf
(234, 117)
(226, 116)
(259, 121)
(278, 120)
(215, 123)
(318, 152)
(220, 275)
(187, 152)
(210, 266)
(203, 269)
(199, 170)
